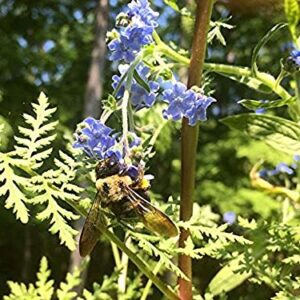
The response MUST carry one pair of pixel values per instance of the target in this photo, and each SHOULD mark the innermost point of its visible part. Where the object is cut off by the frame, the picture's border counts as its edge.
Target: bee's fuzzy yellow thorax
(144, 184)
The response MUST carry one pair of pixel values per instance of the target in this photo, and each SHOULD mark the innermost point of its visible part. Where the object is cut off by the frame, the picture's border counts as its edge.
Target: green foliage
(279, 133)
(215, 31)
(41, 290)
(292, 13)
(261, 44)
(5, 133)
(24, 180)
(251, 81)
(256, 104)
(227, 278)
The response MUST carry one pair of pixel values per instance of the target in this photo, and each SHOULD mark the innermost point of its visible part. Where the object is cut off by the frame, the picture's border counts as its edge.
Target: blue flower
(141, 9)
(292, 62)
(297, 157)
(137, 33)
(229, 217)
(284, 168)
(134, 140)
(195, 106)
(295, 54)
(140, 97)
(263, 173)
(96, 139)
(260, 111)
(185, 103)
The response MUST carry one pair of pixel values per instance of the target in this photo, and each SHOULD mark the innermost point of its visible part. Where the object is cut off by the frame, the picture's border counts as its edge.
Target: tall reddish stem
(189, 139)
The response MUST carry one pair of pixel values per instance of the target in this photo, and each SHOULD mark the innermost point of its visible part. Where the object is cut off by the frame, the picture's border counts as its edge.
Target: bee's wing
(153, 218)
(90, 233)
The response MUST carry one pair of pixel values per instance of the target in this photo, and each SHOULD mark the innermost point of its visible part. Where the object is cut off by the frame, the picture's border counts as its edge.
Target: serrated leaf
(279, 133)
(16, 199)
(36, 137)
(291, 8)
(44, 285)
(228, 278)
(256, 104)
(261, 43)
(66, 289)
(58, 216)
(251, 82)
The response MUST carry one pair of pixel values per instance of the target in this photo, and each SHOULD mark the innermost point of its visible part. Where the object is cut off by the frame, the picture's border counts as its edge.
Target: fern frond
(292, 260)
(146, 243)
(103, 291)
(43, 289)
(198, 231)
(65, 288)
(37, 136)
(58, 216)
(20, 291)
(11, 186)
(44, 286)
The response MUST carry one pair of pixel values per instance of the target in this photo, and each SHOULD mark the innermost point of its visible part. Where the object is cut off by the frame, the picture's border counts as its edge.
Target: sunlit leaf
(228, 278)
(256, 104)
(279, 133)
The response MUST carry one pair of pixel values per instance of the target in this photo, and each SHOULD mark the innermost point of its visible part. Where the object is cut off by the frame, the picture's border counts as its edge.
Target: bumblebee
(125, 196)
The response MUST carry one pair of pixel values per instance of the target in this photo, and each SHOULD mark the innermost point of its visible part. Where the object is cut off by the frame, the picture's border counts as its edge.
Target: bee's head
(107, 167)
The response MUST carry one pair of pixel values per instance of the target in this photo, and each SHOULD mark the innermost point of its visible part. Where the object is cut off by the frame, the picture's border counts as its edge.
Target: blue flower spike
(188, 103)
(140, 97)
(95, 139)
(136, 27)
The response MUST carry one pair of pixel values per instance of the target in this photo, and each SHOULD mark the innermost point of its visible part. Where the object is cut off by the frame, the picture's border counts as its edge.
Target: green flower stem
(124, 267)
(149, 283)
(265, 78)
(189, 140)
(126, 104)
(163, 287)
(297, 89)
(116, 255)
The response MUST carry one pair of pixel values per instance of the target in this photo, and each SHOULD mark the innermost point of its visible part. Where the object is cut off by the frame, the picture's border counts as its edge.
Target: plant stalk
(189, 139)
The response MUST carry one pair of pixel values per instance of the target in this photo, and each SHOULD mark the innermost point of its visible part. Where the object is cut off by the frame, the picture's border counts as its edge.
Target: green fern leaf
(44, 285)
(65, 289)
(57, 215)
(11, 186)
(37, 136)
(20, 291)
(292, 13)
(43, 289)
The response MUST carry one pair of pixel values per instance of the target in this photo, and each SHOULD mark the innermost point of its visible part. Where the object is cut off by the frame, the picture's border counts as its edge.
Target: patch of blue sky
(48, 45)
(78, 15)
(22, 42)
(45, 77)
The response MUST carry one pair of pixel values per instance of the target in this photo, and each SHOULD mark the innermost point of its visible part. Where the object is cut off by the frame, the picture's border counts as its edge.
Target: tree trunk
(94, 88)
(92, 104)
